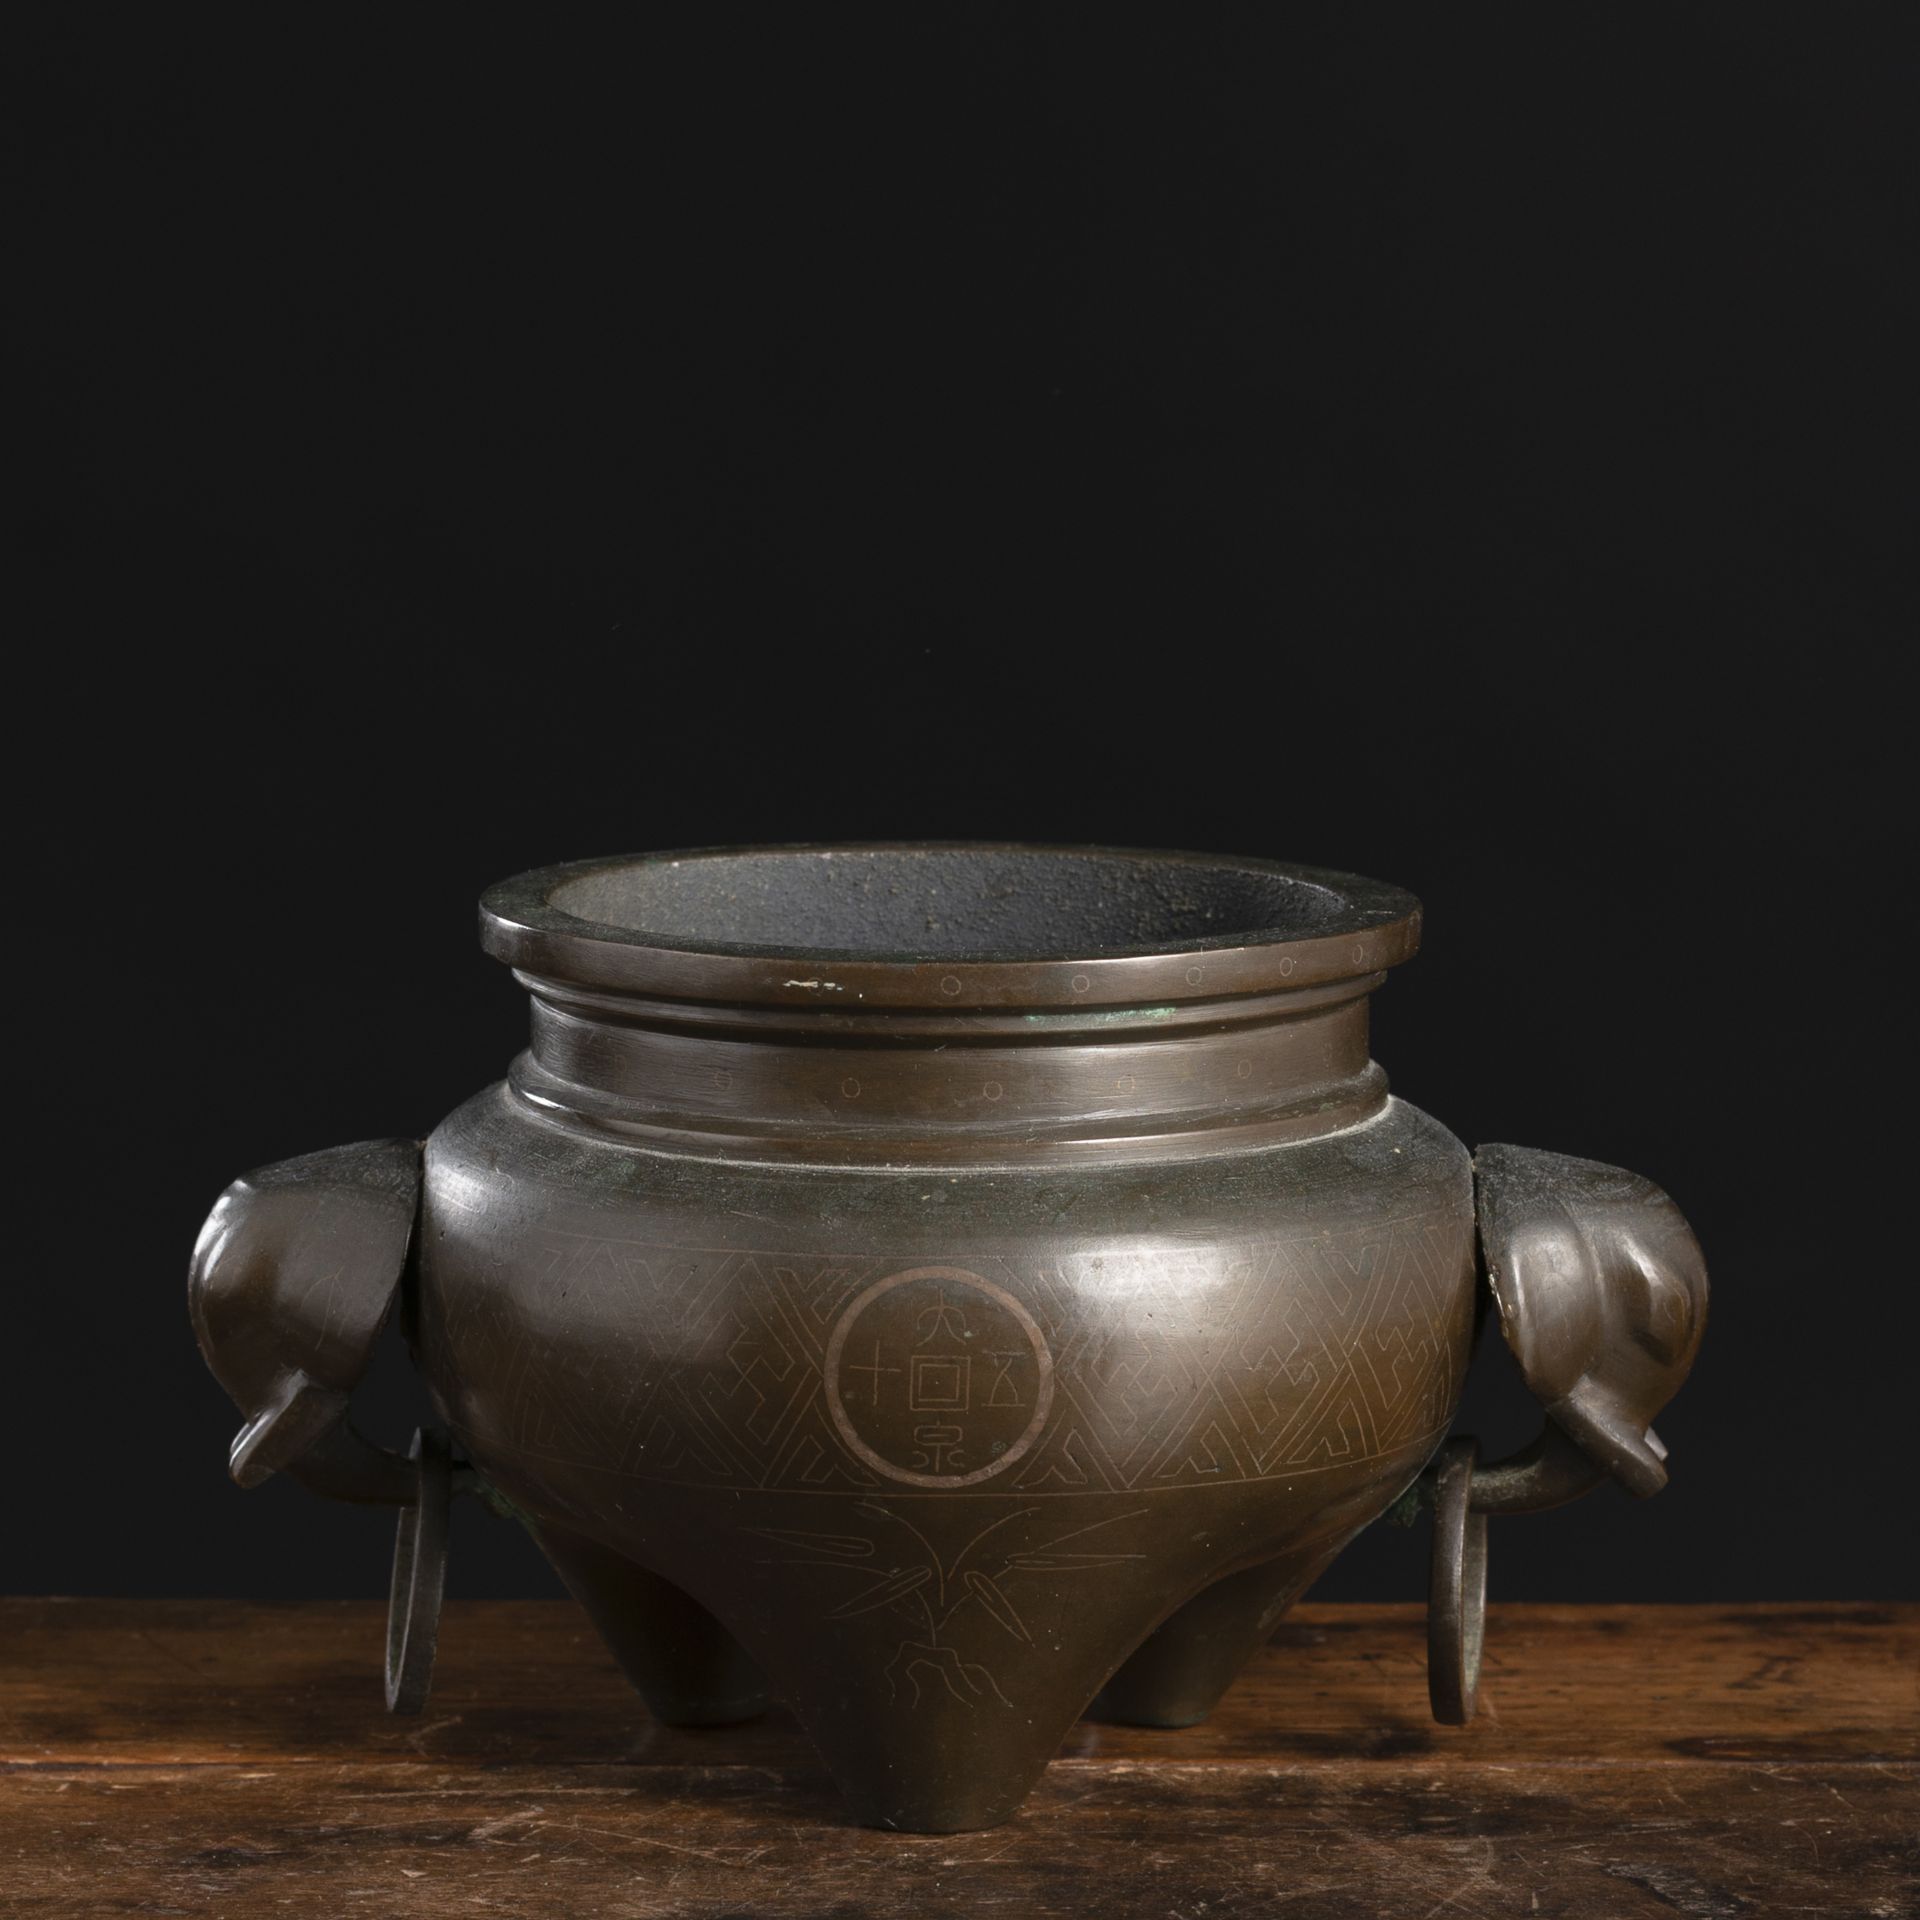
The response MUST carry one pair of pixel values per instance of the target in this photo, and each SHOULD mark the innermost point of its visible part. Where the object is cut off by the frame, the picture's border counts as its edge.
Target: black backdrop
(1471, 446)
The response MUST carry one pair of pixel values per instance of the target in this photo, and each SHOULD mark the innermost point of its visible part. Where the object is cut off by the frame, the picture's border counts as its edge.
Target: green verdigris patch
(497, 1502)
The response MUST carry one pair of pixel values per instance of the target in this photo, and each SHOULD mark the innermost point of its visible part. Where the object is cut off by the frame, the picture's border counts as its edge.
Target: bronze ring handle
(297, 1271)
(1457, 1586)
(1462, 1493)
(1601, 1295)
(419, 1574)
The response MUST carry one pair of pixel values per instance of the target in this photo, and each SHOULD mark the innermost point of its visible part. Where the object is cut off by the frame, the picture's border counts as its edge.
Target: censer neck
(894, 1086)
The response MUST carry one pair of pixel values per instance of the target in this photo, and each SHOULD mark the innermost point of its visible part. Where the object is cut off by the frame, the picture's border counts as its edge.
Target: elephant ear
(1602, 1296)
(294, 1275)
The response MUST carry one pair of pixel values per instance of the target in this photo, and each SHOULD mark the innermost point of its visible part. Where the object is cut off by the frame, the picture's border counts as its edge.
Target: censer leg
(1176, 1676)
(924, 1736)
(686, 1666)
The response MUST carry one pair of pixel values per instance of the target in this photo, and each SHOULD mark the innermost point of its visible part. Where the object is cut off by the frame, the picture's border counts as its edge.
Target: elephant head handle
(1601, 1293)
(1602, 1296)
(294, 1277)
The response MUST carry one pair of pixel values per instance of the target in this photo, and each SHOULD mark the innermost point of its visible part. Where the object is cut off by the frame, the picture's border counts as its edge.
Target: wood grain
(227, 1759)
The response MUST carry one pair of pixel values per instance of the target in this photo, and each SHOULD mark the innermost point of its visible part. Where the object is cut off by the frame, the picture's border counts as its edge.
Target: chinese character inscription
(937, 1377)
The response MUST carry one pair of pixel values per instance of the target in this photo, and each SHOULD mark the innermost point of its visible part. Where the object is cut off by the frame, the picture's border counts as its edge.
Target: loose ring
(419, 1574)
(1457, 1591)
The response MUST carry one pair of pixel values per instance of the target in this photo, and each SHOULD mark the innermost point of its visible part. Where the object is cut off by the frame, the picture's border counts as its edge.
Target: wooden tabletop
(218, 1758)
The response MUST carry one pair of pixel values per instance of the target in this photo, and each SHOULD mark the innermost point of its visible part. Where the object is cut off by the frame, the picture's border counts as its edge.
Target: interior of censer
(989, 903)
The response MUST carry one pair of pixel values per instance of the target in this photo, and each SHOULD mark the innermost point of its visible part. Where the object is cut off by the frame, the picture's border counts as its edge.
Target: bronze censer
(947, 1287)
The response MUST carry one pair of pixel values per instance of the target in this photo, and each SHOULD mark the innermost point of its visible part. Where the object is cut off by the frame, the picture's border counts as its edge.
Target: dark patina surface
(946, 1286)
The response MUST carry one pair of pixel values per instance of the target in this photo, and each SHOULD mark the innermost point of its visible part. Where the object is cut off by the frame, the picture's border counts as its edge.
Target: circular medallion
(937, 1377)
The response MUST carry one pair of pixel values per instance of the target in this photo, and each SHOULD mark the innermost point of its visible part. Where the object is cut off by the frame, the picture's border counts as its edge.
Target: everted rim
(1366, 926)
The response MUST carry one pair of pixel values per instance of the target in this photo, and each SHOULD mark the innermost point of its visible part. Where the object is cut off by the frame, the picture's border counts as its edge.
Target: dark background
(1472, 446)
